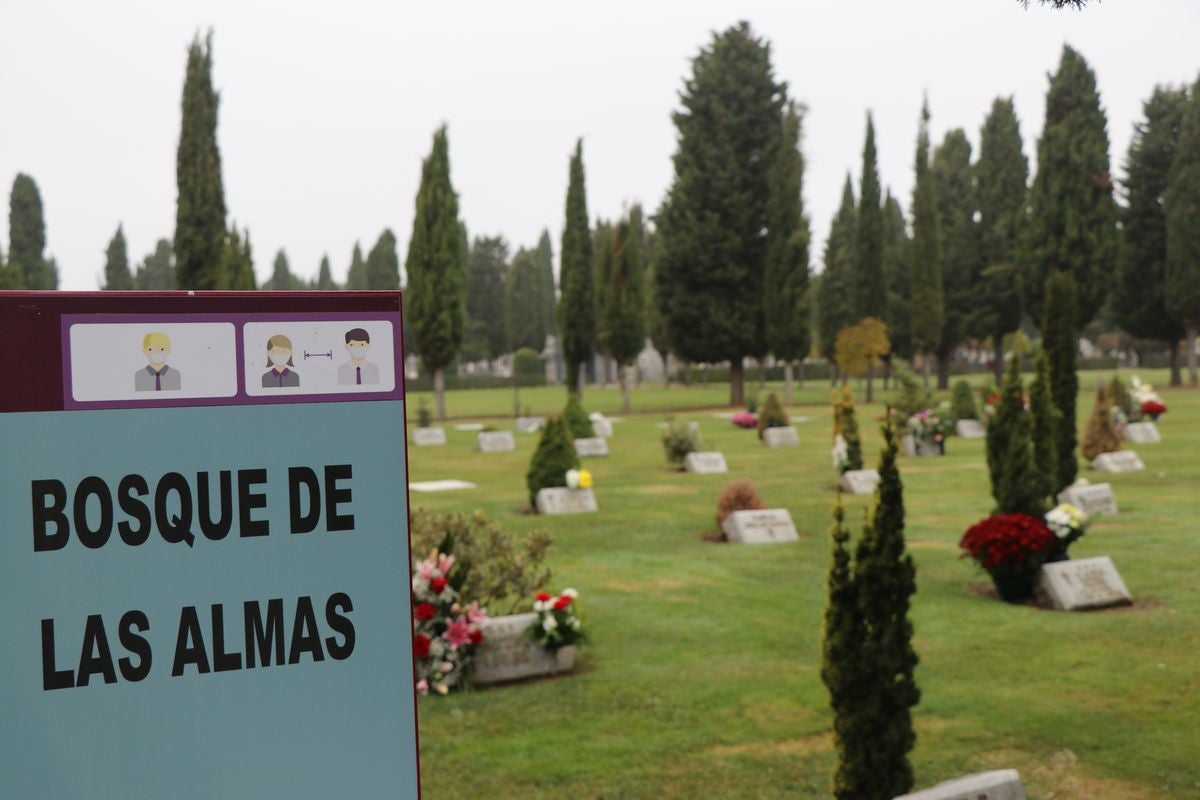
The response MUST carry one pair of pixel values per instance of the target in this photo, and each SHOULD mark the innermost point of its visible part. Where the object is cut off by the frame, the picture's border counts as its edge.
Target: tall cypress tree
(1072, 225)
(624, 324)
(835, 308)
(870, 288)
(382, 268)
(325, 280)
(27, 236)
(8, 277)
(1139, 299)
(602, 267)
(1002, 176)
(282, 279)
(955, 190)
(157, 270)
(785, 292)
(356, 274)
(656, 323)
(925, 271)
(436, 268)
(711, 272)
(545, 255)
(485, 336)
(116, 264)
(577, 305)
(237, 264)
(1046, 419)
(200, 209)
(1183, 230)
(522, 294)
(1060, 343)
(896, 260)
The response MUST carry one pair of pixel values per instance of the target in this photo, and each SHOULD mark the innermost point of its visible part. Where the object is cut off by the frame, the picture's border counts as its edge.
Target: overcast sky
(327, 109)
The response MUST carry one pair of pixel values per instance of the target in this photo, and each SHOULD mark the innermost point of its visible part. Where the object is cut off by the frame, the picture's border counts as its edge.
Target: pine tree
(382, 268)
(714, 252)
(955, 190)
(602, 267)
(1183, 230)
(356, 274)
(578, 423)
(116, 264)
(522, 296)
(846, 425)
(436, 269)
(896, 260)
(624, 328)
(554, 456)
(1021, 482)
(200, 209)
(1059, 341)
(925, 270)
(577, 305)
(282, 279)
(8, 276)
(870, 288)
(485, 336)
(157, 270)
(1072, 225)
(1139, 298)
(237, 265)
(656, 323)
(1003, 422)
(27, 236)
(835, 290)
(785, 291)
(325, 280)
(545, 257)
(1002, 175)
(1046, 420)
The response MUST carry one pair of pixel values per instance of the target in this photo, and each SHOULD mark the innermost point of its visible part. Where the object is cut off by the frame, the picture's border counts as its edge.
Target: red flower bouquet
(1012, 548)
(1153, 408)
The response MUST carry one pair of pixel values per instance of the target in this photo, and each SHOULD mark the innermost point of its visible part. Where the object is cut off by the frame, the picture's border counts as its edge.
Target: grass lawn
(701, 679)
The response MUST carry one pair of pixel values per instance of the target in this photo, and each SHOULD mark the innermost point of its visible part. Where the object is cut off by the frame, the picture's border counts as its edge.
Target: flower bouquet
(745, 419)
(929, 428)
(579, 479)
(1067, 523)
(557, 623)
(1012, 548)
(444, 633)
(1146, 399)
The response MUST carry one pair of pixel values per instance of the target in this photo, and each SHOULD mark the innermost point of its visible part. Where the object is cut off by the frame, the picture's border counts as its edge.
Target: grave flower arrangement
(745, 419)
(1146, 399)
(444, 632)
(1011, 548)
(930, 426)
(1067, 523)
(579, 479)
(991, 401)
(557, 623)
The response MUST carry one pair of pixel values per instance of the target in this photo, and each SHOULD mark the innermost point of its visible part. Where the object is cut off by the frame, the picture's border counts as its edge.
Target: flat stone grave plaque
(495, 441)
(705, 463)
(440, 486)
(1090, 498)
(469, 426)
(760, 526)
(1080, 584)
(424, 437)
(998, 784)
(1142, 433)
(602, 427)
(529, 424)
(1120, 461)
(970, 429)
(561, 500)
(860, 481)
(506, 654)
(780, 437)
(590, 448)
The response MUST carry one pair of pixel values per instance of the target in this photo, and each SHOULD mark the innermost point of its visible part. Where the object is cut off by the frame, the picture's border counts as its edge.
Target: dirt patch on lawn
(988, 591)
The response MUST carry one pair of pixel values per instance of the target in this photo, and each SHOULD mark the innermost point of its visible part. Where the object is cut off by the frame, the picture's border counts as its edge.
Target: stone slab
(566, 501)
(470, 426)
(1142, 433)
(529, 424)
(1120, 461)
(495, 441)
(1081, 584)
(710, 463)
(997, 784)
(1091, 498)
(908, 445)
(761, 526)
(425, 437)
(507, 654)
(448, 485)
(602, 427)
(781, 437)
(970, 429)
(927, 448)
(591, 448)
(860, 481)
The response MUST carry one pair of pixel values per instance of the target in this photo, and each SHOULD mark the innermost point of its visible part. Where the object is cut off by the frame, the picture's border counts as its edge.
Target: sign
(711, 463)
(860, 481)
(970, 429)
(425, 437)
(590, 448)
(1120, 461)
(495, 441)
(566, 501)
(760, 526)
(997, 784)
(202, 540)
(1142, 433)
(1081, 584)
(780, 437)
(1090, 498)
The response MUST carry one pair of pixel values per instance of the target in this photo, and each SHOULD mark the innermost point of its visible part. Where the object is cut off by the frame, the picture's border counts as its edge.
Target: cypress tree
(1020, 482)
(545, 257)
(835, 290)
(896, 260)
(1072, 225)
(485, 336)
(356, 275)
(237, 264)
(1139, 298)
(1100, 435)
(845, 423)
(27, 236)
(157, 270)
(870, 287)
(1001, 175)
(578, 423)
(200, 209)
(1183, 230)
(1001, 426)
(602, 267)
(436, 268)
(382, 268)
(714, 251)
(116, 264)
(785, 293)
(956, 203)
(282, 279)
(577, 306)
(8, 276)
(1059, 341)
(624, 327)
(554, 456)
(656, 323)
(1046, 420)
(925, 270)
(325, 280)
(522, 295)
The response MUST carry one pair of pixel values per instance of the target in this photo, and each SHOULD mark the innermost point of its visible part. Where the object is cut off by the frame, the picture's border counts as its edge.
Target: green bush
(578, 424)
(752, 404)
(555, 454)
(424, 416)
(913, 397)
(1119, 394)
(962, 401)
(526, 361)
(491, 566)
(678, 440)
(772, 415)
(844, 423)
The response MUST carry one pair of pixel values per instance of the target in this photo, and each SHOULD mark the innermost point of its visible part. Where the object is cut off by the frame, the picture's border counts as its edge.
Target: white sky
(327, 109)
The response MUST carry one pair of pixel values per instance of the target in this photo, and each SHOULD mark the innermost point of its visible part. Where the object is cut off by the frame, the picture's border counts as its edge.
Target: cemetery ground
(701, 676)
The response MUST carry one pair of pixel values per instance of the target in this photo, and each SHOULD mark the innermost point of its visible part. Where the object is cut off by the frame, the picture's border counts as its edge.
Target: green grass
(701, 677)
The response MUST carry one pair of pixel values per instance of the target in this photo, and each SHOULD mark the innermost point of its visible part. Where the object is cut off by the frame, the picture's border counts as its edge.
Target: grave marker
(1120, 461)
(970, 429)
(427, 437)
(560, 500)
(860, 481)
(760, 526)
(591, 448)
(602, 427)
(507, 654)
(1090, 498)
(529, 424)
(710, 463)
(999, 784)
(495, 441)
(780, 437)
(1142, 433)
(1080, 584)
(448, 485)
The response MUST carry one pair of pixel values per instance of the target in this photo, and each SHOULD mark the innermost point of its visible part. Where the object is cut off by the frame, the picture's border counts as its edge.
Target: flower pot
(1014, 586)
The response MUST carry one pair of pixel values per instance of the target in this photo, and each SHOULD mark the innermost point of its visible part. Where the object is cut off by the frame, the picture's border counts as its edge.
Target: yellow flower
(585, 479)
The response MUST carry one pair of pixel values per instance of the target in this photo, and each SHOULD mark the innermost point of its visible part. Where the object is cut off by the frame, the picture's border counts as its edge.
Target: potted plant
(1012, 549)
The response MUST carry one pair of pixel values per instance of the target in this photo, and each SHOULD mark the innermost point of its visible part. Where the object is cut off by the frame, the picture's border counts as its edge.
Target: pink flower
(447, 666)
(425, 570)
(458, 633)
(444, 563)
(422, 686)
(475, 614)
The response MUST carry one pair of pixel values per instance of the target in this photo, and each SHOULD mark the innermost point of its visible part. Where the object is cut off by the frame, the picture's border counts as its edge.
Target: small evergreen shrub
(555, 454)
(772, 415)
(738, 496)
(1101, 434)
(913, 396)
(1121, 399)
(962, 401)
(424, 415)
(844, 423)
(752, 404)
(578, 424)
(526, 361)
(678, 440)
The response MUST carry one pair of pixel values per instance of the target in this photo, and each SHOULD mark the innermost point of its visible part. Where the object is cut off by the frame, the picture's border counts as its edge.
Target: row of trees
(27, 266)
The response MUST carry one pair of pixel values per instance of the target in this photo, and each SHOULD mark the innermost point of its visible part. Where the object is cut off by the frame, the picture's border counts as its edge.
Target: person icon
(156, 376)
(279, 363)
(358, 371)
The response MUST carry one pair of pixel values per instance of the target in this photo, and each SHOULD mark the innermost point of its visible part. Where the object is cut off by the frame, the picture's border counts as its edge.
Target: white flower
(540, 605)
(572, 479)
(437, 649)
(574, 623)
(840, 451)
(549, 624)
(571, 593)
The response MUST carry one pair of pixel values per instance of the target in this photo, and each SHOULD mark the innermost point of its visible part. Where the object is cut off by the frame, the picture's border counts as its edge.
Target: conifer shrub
(962, 401)
(738, 496)
(913, 397)
(1046, 419)
(555, 454)
(1101, 434)
(1010, 406)
(424, 415)
(771, 415)
(678, 440)
(578, 424)
(1121, 398)
(844, 423)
